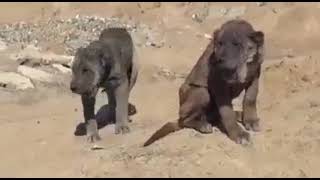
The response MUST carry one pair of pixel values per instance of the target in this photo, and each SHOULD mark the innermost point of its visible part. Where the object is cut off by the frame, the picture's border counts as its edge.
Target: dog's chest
(236, 90)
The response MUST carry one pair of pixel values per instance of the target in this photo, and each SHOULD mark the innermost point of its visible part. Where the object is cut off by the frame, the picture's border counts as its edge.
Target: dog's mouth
(89, 92)
(75, 91)
(233, 81)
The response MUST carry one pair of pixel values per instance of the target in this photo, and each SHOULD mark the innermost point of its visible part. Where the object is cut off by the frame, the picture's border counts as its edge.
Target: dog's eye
(85, 70)
(250, 48)
(235, 43)
(229, 71)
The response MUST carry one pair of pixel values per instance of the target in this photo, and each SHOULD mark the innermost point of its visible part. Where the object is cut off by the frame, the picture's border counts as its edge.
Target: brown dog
(230, 64)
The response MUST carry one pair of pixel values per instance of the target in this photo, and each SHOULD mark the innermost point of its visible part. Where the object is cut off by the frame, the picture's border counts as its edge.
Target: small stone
(305, 78)
(157, 4)
(269, 130)
(96, 147)
(152, 44)
(198, 163)
(236, 12)
(261, 4)
(155, 77)
(165, 71)
(274, 11)
(149, 5)
(314, 103)
(208, 36)
(302, 174)
(224, 11)
(197, 18)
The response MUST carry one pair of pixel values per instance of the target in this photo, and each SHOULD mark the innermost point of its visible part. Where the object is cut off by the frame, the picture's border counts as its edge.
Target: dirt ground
(37, 126)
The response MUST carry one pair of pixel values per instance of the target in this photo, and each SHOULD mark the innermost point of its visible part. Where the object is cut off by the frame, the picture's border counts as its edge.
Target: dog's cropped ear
(257, 37)
(79, 52)
(101, 58)
(215, 36)
(104, 58)
(78, 56)
(199, 75)
(80, 49)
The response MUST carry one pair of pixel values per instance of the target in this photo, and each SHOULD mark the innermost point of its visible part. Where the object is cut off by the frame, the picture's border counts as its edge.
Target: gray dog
(108, 63)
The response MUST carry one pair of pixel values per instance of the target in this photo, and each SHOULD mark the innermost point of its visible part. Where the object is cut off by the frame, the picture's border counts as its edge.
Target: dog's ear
(104, 58)
(215, 36)
(79, 52)
(257, 37)
(212, 46)
(101, 58)
(80, 49)
(199, 75)
(77, 56)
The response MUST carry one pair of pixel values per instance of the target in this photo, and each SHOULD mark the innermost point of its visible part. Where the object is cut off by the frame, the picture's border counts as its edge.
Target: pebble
(314, 104)
(306, 78)
(261, 4)
(208, 36)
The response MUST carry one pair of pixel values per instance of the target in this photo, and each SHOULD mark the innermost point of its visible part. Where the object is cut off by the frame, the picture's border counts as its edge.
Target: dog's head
(237, 47)
(89, 67)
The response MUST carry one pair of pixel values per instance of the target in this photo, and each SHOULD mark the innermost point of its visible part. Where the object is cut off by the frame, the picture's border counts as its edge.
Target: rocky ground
(39, 114)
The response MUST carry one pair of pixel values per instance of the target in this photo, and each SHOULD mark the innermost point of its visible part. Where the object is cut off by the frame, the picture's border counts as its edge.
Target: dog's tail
(168, 128)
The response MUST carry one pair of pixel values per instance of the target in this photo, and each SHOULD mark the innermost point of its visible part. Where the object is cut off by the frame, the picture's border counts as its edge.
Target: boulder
(35, 74)
(18, 81)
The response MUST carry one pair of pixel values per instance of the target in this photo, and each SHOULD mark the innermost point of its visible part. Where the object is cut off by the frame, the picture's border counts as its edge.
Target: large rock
(36, 74)
(3, 45)
(33, 54)
(18, 81)
(61, 68)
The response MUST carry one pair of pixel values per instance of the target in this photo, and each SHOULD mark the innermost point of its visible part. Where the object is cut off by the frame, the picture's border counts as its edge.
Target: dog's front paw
(241, 137)
(92, 131)
(252, 124)
(122, 129)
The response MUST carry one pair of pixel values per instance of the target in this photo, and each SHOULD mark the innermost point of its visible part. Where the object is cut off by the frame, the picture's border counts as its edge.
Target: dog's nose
(73, 88)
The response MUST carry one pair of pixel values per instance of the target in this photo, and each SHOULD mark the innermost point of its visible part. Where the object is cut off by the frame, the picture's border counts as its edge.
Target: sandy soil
(37, 126)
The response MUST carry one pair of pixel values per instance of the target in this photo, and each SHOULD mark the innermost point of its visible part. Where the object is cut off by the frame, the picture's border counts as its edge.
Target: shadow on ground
(104, 117)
